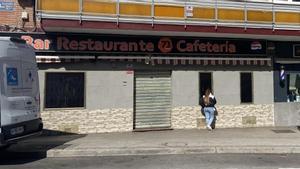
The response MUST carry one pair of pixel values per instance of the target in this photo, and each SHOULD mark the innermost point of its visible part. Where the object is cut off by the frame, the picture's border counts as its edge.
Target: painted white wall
(263, 85)
(185, 88)
(226, 86)
(109, 89)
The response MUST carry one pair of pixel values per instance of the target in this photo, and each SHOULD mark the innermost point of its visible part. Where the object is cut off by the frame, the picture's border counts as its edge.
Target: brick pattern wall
(189, 117)
(246, 116)
(185, 117)
(229, 116)
(84, 121)
(13, 18)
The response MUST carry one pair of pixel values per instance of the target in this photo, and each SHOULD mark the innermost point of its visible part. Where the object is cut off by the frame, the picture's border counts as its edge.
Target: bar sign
(6, 6)
(297, 50)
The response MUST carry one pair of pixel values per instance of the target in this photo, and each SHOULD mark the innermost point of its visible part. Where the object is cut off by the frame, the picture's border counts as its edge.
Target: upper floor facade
(256, 17)
(263, 19)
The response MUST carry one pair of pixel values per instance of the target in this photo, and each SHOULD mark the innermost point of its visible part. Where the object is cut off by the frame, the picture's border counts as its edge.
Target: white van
(19, 94)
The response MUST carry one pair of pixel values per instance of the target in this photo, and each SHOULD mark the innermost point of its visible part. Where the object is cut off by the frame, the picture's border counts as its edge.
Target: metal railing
(254, 14)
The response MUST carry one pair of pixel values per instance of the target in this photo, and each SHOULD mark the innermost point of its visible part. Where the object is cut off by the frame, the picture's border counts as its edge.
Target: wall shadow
(34, 149)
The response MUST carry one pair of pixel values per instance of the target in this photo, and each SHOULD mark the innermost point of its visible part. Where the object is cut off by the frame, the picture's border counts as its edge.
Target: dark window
(205, 83)
(64, 90)
(297, 49)
(246, 88)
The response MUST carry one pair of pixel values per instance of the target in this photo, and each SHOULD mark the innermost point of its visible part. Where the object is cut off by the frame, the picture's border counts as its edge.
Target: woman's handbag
(216, 112)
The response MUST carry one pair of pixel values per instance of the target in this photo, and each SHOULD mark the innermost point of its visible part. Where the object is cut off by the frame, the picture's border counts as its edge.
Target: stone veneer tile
(185, 117)
(229, 116)
(84, 121)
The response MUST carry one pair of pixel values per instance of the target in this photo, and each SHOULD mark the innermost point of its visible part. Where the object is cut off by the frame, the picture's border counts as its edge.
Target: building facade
(113, 66)
(286, 84)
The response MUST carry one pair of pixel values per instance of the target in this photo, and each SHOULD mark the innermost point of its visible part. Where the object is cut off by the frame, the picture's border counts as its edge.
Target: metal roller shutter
(152, 100)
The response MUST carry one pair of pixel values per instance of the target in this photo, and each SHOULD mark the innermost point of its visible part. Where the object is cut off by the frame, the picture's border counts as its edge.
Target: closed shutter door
(152, 100)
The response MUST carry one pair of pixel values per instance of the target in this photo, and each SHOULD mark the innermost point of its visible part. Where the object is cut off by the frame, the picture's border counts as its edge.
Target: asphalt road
(203, 161)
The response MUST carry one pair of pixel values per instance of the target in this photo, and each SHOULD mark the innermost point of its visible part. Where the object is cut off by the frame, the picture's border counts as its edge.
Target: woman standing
(208, 102)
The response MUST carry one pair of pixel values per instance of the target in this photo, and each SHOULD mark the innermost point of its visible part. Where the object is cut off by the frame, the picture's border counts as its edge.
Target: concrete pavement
(191, 141)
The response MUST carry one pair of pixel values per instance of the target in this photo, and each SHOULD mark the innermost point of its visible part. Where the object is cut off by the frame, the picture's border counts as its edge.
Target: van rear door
(20, 89)
(30, 87)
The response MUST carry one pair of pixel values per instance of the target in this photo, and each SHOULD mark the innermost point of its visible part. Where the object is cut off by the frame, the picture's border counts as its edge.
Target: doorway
(205, 82)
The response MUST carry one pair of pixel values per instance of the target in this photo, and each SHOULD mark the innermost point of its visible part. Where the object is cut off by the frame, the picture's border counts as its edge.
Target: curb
(172, 151)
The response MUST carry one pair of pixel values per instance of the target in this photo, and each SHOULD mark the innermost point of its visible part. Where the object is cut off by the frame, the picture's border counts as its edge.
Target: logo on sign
(12, 76)
(256, 45)
(165, 45)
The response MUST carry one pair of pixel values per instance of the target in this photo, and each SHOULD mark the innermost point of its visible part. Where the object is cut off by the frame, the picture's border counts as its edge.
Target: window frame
(252, 88)
(65, 108)
(294, 50)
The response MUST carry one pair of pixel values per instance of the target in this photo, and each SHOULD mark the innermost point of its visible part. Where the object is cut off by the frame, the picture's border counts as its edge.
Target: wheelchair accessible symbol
(12, 76)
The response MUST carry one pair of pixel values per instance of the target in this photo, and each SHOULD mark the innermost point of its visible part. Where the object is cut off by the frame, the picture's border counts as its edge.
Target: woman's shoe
(208, 128)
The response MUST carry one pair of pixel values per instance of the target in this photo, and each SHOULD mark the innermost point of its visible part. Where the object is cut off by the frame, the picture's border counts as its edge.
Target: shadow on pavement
(36, 148)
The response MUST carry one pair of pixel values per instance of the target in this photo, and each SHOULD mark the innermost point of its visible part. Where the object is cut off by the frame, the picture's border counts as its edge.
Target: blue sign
(12, 76)
(6, 6)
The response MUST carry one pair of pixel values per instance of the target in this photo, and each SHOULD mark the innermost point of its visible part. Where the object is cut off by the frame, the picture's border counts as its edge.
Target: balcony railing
(245, 14)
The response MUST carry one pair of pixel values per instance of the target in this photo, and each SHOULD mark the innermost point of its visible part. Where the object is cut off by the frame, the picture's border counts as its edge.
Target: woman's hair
(206, 96)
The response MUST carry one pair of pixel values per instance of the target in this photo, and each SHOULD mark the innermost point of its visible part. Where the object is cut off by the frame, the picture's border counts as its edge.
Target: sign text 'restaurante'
(164, 45)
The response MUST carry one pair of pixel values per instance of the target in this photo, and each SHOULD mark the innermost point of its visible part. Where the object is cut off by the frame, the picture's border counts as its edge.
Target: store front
(115, 83)
(287, 84)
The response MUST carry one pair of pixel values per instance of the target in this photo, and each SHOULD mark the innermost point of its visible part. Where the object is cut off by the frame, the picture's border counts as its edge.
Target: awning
(160, 60)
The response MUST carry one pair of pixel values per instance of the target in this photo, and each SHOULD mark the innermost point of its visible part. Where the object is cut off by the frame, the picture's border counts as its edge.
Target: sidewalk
(195, 141)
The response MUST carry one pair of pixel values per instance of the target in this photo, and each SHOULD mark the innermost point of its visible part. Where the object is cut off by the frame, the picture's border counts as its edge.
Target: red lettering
(189, 47)
(216, 48)
(196, 45)
(108, 46)
(98, 46)
(62, 43)
(90, 44)
(209, 47)
(142, 46)
(179, 47)
(28, 39)
(223, 48)
(82, 45)
(116, 46)
(47, 44)
(133, 46)
(73, 45)
(123, 46)
(150, 47)
(38, 44)
(202, 47)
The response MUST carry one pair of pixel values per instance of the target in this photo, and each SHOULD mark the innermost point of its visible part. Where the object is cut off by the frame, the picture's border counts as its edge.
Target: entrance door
(152, 100)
